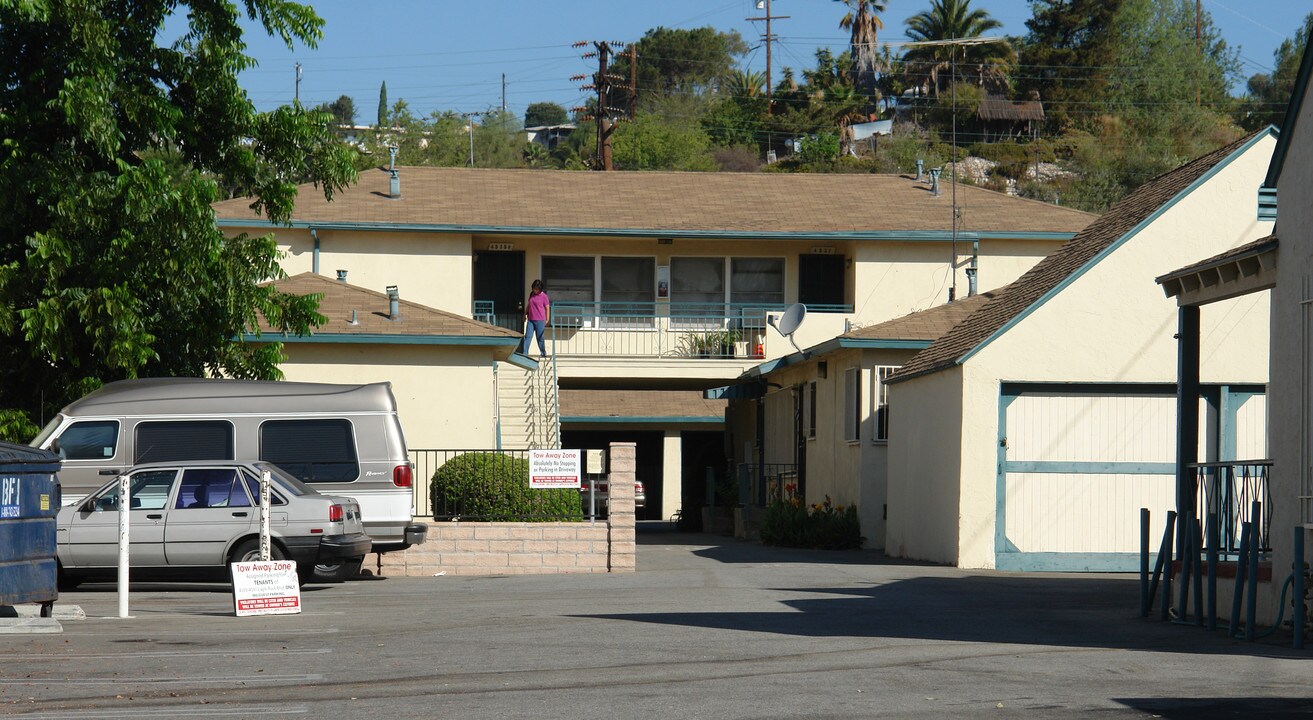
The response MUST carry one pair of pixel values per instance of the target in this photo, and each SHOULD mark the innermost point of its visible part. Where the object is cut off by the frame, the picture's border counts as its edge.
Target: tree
(674, 60)
(955, 20)
(544, 113)
(863, 23)
(1069, 54)
(383, 104)
(111, 265)
(343, 110)
(1265, 103)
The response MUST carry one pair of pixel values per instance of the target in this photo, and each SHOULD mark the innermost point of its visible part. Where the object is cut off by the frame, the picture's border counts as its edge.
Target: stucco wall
(1114, 324)
(894, 279)
(925, 446)
(1289, 393)
(444, 393)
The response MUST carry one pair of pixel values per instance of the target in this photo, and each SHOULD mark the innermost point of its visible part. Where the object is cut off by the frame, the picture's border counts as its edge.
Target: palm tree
(746, 83)
(955, 20)
(864, 23)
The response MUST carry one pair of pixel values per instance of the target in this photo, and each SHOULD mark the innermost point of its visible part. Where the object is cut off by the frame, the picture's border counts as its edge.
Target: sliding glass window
(569, 282)
(697, 287)
(628, 287)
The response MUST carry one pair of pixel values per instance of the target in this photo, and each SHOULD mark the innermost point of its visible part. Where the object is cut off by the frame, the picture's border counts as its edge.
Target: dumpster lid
(11, 453)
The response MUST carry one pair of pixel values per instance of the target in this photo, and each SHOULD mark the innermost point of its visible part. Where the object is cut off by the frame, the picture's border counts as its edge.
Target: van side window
(184, 440)
(312, 450)
(91, 440)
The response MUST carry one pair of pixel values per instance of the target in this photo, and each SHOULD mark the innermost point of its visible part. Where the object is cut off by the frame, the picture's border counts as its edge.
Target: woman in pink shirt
(537, 311)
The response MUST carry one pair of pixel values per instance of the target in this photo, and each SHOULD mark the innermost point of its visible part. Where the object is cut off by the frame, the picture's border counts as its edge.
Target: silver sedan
(202, 516)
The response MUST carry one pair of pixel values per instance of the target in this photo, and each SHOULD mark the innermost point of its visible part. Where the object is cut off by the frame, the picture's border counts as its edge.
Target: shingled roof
(1120, 221)
(757, 205)
(687, 404)
(930, 324)
(342, 301)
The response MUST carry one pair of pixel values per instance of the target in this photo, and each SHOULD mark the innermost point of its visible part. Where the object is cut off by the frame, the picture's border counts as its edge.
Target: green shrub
(825, 526)
(492, 486)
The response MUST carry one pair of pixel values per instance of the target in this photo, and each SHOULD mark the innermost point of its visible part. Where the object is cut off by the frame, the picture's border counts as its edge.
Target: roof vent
(394, 303)
(354, 321)
(934, 181)
(341, 275)
(920, 168)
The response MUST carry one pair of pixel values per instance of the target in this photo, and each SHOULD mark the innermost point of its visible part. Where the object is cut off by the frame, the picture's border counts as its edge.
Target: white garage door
(1077, 467)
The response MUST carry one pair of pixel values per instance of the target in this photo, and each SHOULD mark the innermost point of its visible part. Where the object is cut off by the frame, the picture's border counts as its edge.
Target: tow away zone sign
(551, 469)
(266, 588)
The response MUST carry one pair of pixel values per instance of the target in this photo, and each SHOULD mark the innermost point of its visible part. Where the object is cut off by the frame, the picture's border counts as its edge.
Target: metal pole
(1169, 547)
(1197, 560)
(1298, 618)
(125, 509)
(952, 264)
(1237, 596)
(1251, 590)
(1144, 562)
(265, 481)
(1187, 552)
(1213, 538)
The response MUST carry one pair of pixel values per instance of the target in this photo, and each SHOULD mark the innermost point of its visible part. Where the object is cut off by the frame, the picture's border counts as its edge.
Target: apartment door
(821, 280)
(499, 279)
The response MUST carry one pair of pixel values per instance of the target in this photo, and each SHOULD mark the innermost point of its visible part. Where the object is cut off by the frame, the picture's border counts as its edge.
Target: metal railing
(675, 330)
(762, 484)
(485, 468)
(1229, 489)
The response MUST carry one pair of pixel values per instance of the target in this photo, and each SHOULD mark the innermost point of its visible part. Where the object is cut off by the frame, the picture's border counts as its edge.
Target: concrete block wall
(520, 548)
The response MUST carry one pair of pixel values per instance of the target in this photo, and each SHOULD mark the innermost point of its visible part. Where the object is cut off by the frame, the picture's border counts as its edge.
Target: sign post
(265, 479)
(125, 510)
(267, 586)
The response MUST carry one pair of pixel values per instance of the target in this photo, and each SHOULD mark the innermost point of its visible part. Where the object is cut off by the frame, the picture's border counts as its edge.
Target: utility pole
(768, 37)
(503, 92)
(633, 81)
(603, 83)
(1198, 48)
(298, 82)
(469, 127)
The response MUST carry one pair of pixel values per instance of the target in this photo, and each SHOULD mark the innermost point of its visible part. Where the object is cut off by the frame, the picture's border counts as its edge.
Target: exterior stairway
(528, 413)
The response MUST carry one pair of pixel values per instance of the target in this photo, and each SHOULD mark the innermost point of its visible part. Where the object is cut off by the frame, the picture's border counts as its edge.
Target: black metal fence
(493, 486)
(1229, 491)
(761, 484)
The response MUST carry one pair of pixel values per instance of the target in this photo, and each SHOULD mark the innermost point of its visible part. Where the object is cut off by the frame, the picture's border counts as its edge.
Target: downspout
(314, 267)
(971, 271)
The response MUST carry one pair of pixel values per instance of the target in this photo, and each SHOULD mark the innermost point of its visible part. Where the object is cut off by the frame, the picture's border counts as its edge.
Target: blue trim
(1001, 543)
(1070, 562)
(1089, 468)
(744, 391)
(648, 419)
(314, 265)
(1267, 203)
(1115, 245)
(363, 339)
(647, 233)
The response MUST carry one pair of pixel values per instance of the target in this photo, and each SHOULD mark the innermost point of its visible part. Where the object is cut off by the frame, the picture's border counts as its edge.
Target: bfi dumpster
(29, 501)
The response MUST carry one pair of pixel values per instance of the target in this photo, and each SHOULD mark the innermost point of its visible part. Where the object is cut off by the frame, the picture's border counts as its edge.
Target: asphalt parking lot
(707, 628)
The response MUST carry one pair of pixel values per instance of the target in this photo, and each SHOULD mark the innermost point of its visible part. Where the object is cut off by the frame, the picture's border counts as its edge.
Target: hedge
(493, 486)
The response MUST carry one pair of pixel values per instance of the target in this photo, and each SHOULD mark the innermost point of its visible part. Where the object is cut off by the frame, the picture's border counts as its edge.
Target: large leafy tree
(114, 147)
(545, 113)
(955, 20)
(672, 60)
(1265, 102)
(863, 23)
(1069, 55)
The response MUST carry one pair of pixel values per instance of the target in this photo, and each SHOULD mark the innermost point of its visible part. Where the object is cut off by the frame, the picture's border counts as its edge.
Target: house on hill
(662, 283)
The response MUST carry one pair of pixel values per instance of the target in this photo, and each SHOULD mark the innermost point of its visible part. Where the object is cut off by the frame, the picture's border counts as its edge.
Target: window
(811, 409)
(756, 281)
(187, 440)
(148, 490)
(852, 406)
(569, 282)
(880, 402)
(94, 440)
(211, 488)
(253, 486)
(312, 450)
(697, 286)
(628, 286)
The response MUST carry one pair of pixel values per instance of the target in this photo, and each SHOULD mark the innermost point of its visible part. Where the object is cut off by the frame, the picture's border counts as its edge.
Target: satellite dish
(789, 322)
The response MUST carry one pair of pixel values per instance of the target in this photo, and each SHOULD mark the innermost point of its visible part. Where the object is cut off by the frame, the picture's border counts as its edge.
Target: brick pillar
(620, 518)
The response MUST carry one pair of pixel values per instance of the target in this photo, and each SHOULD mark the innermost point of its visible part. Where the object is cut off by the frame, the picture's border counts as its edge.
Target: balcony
(668, 330)
(1231, 491)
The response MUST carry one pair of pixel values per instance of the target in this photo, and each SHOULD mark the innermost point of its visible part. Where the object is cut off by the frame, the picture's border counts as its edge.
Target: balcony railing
(485, 468)
(671, 330)
(1228, 490)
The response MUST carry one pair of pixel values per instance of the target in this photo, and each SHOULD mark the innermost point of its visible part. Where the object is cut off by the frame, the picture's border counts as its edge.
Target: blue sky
(442, 54)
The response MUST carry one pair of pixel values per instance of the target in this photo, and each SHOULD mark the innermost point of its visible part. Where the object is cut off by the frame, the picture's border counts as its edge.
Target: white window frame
(880, 401)
(852, 405)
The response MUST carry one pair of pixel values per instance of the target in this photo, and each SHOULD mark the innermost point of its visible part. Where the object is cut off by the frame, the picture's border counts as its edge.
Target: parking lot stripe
(168, 653)
(203, 680)
(180, 711)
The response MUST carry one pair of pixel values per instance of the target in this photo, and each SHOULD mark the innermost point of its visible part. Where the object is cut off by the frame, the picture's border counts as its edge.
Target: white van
(339, 439)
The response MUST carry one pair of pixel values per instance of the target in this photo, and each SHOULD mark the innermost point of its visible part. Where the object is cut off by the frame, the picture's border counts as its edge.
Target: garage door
(1076, 465)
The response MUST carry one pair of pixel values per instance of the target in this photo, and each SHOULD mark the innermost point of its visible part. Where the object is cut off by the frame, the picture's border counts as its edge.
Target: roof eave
(1292, 117)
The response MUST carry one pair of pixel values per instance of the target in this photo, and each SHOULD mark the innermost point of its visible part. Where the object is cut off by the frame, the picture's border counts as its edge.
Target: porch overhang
(1247, 269)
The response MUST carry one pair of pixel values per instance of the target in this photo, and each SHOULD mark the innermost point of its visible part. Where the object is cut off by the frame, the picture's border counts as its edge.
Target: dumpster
(29, 502)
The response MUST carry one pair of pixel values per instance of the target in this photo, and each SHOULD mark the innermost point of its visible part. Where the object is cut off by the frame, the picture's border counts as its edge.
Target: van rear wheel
(338, 572)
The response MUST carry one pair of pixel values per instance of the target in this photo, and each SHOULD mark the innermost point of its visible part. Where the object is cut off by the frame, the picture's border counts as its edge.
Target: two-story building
(662, 285)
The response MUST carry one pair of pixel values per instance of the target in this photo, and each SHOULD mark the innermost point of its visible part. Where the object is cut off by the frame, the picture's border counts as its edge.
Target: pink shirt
(538, 304)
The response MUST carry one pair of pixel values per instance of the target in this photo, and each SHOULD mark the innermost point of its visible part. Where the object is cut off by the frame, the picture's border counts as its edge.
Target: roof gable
(673, 204)
(1293, 110)
(1050, 275)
